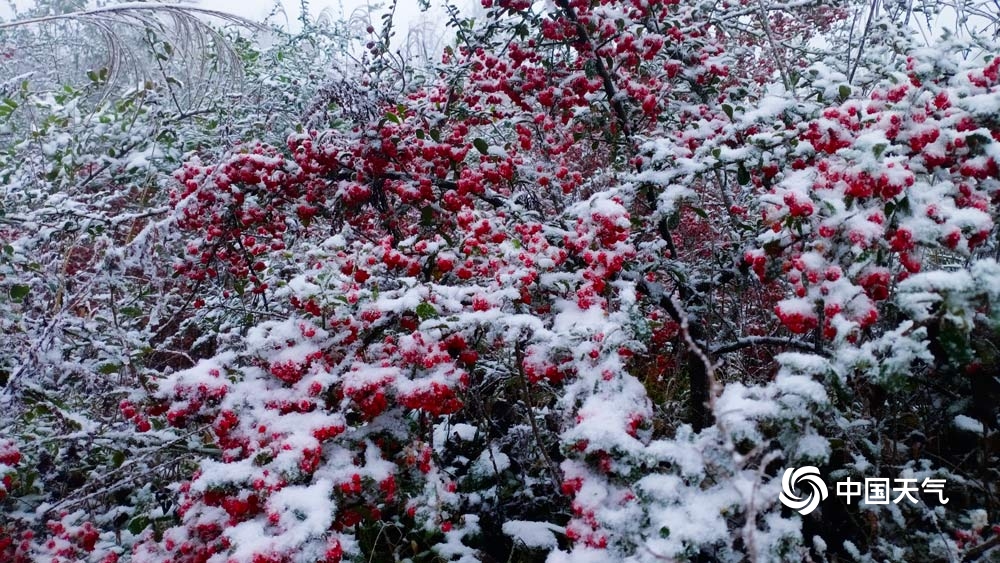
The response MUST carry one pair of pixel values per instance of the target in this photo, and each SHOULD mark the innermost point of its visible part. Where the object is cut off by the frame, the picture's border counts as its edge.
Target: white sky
(407, 16)
(407, 11)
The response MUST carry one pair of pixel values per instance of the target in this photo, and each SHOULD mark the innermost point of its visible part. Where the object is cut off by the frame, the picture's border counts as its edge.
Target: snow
(802, 385)
(496, 150)
(539, 535)
(983, 105)
(690, 520)
(958, 290)
(460, 431)
(491, 462)
(579, 555)
(50, 148)
(143, 160)
(870, 140)
(769, 107)
(814, 448)
(968, 424)
(217, 474)
(304, 513)
(601, 421)
(571, 319)
(681, 451)
(453, 549)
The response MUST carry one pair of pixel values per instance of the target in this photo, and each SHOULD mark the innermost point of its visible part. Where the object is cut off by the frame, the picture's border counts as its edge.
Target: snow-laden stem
(775, 53)
(539, 442)
(705, 386)
(751, 341)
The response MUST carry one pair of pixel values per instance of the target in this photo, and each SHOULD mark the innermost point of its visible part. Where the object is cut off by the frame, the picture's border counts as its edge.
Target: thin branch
(762, 341)
(778, 59)
(861, 46)
(553, 469)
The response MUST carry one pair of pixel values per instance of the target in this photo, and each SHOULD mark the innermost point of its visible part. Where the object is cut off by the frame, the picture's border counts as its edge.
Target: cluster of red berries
(133, 414)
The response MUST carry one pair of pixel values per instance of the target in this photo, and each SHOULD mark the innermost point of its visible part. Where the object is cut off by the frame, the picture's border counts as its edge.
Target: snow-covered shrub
(582, 292)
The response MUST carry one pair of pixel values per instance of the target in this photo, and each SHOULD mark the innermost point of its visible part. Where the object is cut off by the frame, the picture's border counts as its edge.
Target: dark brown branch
(980, 550)
(608, 83)
(696, 359)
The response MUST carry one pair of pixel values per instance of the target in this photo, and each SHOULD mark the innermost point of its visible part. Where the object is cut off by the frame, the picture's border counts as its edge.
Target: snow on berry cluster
(266, 498)
(875, 186)
(69, 538)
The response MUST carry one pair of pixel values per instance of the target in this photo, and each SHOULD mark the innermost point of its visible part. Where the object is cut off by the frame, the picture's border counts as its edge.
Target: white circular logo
(790, 482)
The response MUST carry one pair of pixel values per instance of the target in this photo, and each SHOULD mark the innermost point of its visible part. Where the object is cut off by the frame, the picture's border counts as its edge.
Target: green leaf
(844, 91)
(131, 312)
(890, 208)
(699, 212)
(481, 146)
(19, 292)
(393, 118)
(138, 524)
(7, 107)
(426, 311)
(742, 176)
(427, 216)
(954, 340)
(728, 109)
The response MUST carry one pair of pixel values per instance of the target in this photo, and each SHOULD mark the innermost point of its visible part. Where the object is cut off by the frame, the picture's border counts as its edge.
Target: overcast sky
(407, 11)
